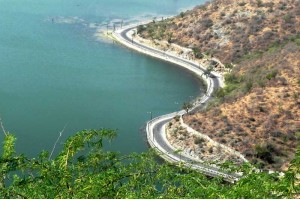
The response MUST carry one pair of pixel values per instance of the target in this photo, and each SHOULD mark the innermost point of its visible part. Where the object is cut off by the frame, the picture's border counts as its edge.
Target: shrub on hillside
(141, 28)
(263, 151)
(271, 75)
(207, 23)
(199, 140)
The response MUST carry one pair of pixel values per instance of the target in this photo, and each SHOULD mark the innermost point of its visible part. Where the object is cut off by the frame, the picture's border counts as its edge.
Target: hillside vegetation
(258, 112)
(230, 29)
(83, 169)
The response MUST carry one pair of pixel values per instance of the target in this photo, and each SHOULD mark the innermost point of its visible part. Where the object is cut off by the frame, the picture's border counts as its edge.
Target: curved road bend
(124, 35)
(156, 139)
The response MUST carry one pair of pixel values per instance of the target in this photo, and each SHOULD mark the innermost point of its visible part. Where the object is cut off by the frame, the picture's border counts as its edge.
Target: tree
(181, 14)
(170, 35)
(141, 28)
(83, 169)
(187, 106)
(208, 71)
(197, 53)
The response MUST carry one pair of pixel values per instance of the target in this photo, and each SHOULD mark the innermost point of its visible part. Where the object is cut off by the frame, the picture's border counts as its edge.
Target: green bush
(141, 28)
(199, 140)
(181, 14)
(177, 117)
(228, 65)
(297, 135)
(259, 3)
(288, 18)
(197, 53)
(271, 75)
(296, 95)
(242, 4)
(248, 86)
(264, 152)
(222, 92)
(233, 78)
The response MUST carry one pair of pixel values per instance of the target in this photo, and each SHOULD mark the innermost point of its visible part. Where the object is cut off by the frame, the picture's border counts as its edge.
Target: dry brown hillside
(230, 29)
(263, 123)
(258, 112)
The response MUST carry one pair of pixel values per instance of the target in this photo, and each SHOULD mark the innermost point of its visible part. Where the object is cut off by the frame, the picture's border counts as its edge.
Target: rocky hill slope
(230, 29)
(258, 112)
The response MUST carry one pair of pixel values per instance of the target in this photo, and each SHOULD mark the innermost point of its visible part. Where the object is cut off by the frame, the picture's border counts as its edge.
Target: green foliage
(228, 65)
(208, 71)
(207, 23)
(264, 151)
(157, 30)
(288, 18)
(181, 14)
(187, 106)
(242, 4)
(274, 46)
(252, 55)
(233, 82)
(169, 37)
(141, 28)
(177, 117)
(197, 53)
(233, 78)
(297, 135)
(248, 86)
(296, 95)
(222, 92)
(271, 75)
(271, 48)
(84, 169)
(199, 140)
(259, 3)
(296, 39)
(8, 146)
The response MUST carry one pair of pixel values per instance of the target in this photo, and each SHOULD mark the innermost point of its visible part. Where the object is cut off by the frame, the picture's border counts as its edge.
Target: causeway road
(155, 128)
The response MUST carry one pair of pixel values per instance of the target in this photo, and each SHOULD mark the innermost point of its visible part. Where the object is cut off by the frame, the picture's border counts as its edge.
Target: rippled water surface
(55, 72)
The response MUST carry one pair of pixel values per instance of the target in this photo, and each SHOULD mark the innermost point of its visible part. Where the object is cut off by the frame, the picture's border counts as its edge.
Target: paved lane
(155, 128)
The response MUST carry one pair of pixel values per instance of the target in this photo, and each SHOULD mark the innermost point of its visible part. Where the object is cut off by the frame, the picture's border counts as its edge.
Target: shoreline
(155, 128)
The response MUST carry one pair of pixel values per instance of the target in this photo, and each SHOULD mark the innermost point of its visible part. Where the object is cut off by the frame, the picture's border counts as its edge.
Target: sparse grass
(271, 75)
(228, 65)
(197, 53)
(297, 135)
(296, 95)
(199, 140)
(259, 3)
(252, 56)
(288, 18)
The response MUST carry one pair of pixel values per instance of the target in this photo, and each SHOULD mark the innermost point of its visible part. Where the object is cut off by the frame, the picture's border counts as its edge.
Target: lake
(55, 72)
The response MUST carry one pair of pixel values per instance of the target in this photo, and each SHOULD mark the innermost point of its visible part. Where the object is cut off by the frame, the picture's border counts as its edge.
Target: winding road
(156, 127)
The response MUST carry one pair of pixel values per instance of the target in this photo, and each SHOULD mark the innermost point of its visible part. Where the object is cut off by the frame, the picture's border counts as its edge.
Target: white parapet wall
(192, 66)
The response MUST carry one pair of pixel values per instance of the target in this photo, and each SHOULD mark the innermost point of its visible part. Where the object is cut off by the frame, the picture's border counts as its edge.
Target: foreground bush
(83, 169)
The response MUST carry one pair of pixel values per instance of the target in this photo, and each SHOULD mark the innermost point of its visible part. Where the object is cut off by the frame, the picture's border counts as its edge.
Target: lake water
(55, 72)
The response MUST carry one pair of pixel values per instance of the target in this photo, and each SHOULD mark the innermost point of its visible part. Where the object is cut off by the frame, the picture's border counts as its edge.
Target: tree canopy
(83, 169)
